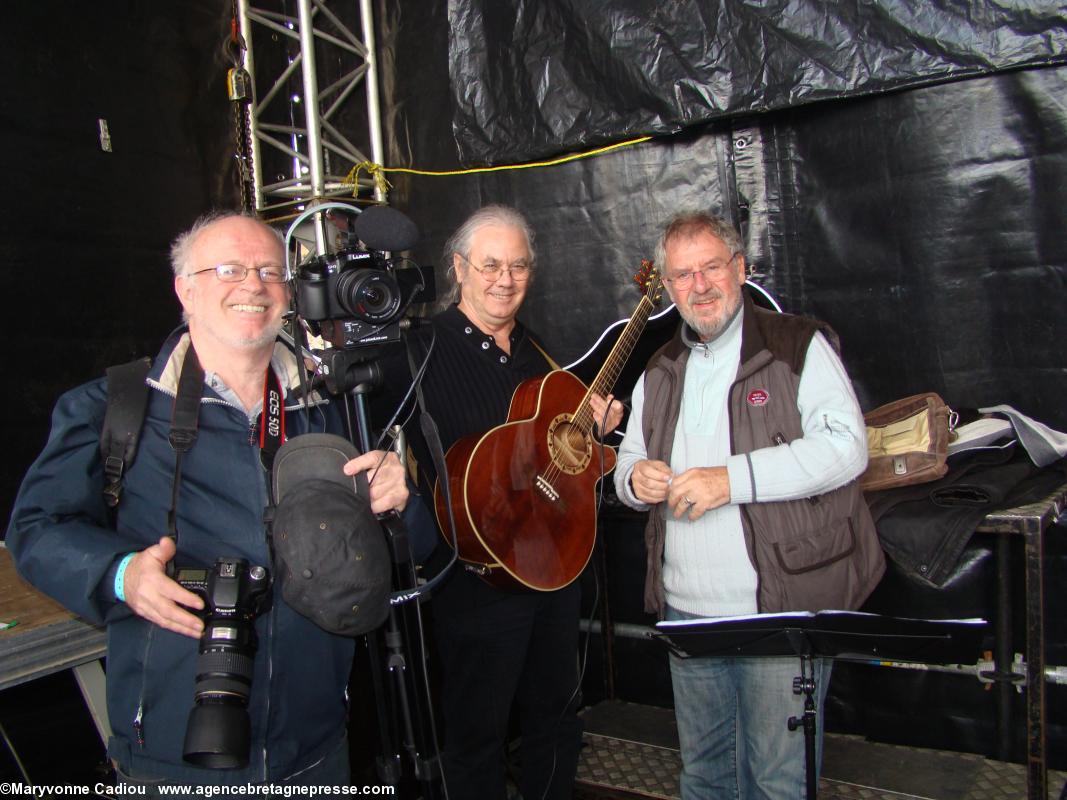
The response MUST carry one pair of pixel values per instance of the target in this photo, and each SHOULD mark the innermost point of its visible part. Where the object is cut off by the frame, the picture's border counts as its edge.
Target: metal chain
(242, 127)
(243, 154)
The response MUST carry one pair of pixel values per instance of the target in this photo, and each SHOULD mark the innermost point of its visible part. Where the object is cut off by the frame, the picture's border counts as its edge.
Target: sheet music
(785, 616)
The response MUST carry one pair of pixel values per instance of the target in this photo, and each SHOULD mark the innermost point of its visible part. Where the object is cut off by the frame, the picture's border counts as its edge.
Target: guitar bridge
(546, 488)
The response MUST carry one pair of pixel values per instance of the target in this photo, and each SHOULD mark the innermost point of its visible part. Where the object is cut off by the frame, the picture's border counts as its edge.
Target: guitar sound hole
(568, 445)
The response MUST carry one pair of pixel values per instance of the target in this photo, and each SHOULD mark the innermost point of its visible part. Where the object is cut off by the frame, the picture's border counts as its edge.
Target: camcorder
(356, 296)
(218, 733)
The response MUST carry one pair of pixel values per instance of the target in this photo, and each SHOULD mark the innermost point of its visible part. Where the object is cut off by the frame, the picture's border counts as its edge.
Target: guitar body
(523, 493)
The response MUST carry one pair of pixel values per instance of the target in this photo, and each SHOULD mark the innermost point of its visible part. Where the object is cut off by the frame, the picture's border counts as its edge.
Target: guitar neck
(616, 359)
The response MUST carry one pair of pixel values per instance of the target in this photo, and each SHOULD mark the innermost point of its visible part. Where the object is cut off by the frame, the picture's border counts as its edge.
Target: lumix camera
(218, 733)
(356, 297)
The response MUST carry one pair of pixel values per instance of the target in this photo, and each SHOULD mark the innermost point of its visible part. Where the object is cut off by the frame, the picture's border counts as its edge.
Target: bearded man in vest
(744, 444)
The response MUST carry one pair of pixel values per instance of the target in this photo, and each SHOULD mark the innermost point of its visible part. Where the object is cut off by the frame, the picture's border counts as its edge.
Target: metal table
(47, 638)
(1031, 522)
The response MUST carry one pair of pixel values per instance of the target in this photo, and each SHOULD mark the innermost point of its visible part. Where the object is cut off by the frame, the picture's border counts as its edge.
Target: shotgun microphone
(385, 228)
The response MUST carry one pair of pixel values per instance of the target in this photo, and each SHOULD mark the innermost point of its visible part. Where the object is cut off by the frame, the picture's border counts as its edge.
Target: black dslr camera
(218, 733)
(356, 296)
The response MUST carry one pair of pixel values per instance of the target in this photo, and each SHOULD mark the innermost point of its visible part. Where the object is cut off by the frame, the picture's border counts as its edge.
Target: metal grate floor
(615, 764)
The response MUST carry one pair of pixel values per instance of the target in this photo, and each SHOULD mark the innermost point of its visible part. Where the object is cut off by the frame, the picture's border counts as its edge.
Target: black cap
(331, 557)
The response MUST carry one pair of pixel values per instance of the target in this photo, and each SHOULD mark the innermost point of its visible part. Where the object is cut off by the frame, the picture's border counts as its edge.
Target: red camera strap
(271, 419)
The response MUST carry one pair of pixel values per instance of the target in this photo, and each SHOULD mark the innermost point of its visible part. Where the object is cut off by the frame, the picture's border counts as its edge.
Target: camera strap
(183, 426)
(271, 420)
(185, 416)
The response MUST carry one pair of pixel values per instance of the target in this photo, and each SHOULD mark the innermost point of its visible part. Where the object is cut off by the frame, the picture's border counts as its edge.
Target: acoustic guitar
(524, 493)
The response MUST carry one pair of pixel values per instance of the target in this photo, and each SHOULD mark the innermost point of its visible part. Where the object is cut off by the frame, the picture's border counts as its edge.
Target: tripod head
(353, 372)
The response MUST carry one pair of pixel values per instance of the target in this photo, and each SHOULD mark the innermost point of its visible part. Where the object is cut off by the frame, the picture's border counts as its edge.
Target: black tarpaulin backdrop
(533, 78)
(924, 225)
(85, 232)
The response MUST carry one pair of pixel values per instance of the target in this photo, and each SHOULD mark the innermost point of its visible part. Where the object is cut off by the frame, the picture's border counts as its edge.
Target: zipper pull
(138, 725)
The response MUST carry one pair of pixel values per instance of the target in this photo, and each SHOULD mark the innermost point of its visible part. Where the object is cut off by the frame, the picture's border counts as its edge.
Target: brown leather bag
(907, 442)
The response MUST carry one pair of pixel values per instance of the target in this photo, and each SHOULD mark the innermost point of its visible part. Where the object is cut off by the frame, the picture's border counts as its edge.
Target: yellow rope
(377, 171)
(377, 174)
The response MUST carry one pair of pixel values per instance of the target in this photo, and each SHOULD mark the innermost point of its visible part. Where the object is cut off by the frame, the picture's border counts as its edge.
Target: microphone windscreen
(385, 228)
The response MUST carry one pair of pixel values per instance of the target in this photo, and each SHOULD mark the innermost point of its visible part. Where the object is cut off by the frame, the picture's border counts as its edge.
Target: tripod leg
(404, 711)
(407, 666)
(388, 762)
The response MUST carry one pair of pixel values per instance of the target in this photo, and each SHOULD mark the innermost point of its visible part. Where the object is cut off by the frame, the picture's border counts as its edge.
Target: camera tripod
(396, 651)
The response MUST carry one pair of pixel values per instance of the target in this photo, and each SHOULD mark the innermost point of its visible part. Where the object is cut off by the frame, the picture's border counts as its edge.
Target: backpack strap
(127, 398)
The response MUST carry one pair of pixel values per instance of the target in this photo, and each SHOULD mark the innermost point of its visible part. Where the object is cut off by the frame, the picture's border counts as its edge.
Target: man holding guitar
(745, 440)
(499, 645)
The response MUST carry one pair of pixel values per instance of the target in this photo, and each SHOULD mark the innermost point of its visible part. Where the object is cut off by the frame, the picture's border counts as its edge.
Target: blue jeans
(732, 716)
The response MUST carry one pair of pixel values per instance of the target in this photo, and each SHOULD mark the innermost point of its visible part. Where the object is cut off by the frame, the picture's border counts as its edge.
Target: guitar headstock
(649, 280)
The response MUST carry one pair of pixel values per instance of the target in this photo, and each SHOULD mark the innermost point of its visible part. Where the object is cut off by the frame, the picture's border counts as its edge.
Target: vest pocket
(816, 550)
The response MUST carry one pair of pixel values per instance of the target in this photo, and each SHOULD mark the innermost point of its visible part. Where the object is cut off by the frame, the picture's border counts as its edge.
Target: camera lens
(218, 736)
(368, 294)
(218, 730)
(218, 733)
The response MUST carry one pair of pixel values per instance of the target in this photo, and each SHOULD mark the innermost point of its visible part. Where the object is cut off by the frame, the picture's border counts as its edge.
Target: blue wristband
(120, 575)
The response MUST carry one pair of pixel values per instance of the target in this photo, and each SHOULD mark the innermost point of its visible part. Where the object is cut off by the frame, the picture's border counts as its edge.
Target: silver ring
(688, 502)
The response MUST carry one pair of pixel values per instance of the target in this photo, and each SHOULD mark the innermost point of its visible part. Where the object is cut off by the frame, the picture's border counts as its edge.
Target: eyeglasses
(713, 271)
(235, 273)
(492, 271)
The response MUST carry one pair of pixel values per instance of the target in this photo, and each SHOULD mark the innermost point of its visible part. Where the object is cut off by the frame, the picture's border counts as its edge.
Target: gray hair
(690, 223)
(181, 249)
(460, 241)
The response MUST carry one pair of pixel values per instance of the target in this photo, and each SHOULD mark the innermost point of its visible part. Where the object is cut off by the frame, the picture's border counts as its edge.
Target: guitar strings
(583, 418)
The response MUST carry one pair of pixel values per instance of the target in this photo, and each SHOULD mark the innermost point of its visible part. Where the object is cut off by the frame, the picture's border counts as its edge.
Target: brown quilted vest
(809, 554)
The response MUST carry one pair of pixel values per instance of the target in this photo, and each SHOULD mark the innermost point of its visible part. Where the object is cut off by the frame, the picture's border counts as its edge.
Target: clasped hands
(691, 493)
(164, 602)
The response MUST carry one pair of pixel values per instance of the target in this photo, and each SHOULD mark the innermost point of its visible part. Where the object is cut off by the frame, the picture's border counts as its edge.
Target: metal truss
(295, 136)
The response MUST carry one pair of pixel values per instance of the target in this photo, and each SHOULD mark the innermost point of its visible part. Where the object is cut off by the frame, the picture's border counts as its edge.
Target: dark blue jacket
(64, 543)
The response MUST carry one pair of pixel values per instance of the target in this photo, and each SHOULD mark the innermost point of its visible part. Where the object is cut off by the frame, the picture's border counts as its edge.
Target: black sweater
(468, 384)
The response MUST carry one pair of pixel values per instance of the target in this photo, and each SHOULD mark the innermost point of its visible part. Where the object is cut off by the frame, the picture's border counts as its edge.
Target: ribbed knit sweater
(706, 568)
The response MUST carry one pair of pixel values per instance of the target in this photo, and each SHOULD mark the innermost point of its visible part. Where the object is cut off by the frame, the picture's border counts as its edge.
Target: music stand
(845, 635)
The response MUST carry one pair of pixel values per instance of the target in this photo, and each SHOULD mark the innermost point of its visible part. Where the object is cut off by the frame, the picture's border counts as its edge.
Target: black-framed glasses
(491, 270)
(235, 273)
(712, 272)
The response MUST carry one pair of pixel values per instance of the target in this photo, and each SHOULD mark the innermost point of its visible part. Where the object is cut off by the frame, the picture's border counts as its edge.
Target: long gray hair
(460, 241)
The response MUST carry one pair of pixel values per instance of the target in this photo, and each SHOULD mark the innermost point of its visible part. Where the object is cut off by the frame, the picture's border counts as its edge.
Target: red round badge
(758, 397)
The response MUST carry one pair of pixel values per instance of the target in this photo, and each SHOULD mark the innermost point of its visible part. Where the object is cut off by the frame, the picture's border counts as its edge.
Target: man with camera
(206, 484)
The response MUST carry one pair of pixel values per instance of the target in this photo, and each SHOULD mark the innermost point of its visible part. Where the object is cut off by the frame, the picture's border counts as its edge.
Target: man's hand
(388, 484)
(650, 481)
(599, 405)
(157, 598)
(698, 490)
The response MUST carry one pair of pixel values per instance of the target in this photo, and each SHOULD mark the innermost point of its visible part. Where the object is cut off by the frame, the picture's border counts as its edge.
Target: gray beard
(267, 337)
(709, 331)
